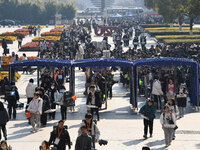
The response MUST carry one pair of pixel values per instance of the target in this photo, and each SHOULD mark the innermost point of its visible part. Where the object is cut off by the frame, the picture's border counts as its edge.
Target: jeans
(168, 135)
(44, 119)
(63, 112)
(97, 112)
(181, 110)
(12, 110)
(35, 120)
(148, 124)
(157, 99)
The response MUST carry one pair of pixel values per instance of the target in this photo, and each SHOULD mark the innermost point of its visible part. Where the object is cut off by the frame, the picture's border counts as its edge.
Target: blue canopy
(194, 90)
(41, 62)
(116, 16)
(102, 62)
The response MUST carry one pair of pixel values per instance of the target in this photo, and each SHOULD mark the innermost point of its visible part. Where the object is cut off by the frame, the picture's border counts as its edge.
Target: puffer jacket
(157, 90)
(30, 90)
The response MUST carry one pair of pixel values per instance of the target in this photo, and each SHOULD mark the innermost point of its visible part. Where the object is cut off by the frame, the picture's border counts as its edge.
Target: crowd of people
(166, 89)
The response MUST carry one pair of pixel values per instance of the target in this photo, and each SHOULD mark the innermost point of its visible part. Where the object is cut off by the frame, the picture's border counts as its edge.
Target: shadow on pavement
(134, 142)
(155, 143)
(19, 134)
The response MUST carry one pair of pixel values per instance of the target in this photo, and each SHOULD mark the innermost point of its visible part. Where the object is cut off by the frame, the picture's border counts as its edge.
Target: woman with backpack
(168, 122)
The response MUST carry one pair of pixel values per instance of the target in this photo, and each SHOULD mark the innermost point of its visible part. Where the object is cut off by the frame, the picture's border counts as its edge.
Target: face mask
(3, 147)
(52, 87)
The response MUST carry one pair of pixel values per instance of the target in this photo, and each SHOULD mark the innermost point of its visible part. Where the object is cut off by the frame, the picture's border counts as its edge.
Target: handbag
(172, 122)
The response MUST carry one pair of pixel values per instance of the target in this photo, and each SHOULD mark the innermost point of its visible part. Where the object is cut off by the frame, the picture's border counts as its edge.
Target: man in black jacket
(94, 100)
(60, 137)
(12, 96)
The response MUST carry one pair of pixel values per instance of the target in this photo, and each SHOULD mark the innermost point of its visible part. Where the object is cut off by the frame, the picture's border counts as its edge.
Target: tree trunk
(191, 25)
(180, 24)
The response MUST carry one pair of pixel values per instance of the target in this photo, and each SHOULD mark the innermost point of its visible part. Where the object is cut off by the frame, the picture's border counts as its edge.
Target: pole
(38, 75)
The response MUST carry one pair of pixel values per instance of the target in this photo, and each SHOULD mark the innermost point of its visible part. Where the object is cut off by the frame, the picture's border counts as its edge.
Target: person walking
(4, 118)
(92, 129)
(60, 137)
(181, 100)
(4, 46)
(45, 106)
(157, 92)
(30, 90)
(63, 107)
(170, 90)
(19, 39)
(174, 109)
(95, 101)
(148, 113)
(84, 141)
(35, 109)
(168, 122)
(12, 96)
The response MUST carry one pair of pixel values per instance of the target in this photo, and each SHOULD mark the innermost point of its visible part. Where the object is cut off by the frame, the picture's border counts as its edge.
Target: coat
(30, 90)
(4, 118)
(156, 89)
(164, 117)
(148, 111)
(46, 103)
(97, 99)
(83, 143)
(38, 106)
(64, 139)
(94, 130)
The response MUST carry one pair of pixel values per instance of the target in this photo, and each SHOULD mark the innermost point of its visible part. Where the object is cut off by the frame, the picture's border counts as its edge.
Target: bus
(124, 11)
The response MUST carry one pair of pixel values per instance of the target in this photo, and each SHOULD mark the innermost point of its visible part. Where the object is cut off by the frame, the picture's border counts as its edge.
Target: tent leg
(72, 81)
(38, 76)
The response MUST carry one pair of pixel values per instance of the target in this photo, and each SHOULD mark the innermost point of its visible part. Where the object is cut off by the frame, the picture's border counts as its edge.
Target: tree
(35, 12)
(193, 11)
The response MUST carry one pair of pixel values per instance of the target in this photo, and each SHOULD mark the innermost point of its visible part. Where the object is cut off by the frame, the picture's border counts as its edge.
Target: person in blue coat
(148, 113)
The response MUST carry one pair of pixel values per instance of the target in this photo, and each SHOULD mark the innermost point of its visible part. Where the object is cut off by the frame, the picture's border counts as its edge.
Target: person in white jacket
(30, 90)
(157, 92)
(168, 122)
(35, 109)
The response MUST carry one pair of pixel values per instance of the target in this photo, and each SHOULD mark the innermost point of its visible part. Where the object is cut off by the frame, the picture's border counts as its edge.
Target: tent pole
(198, 86)
(38, 75)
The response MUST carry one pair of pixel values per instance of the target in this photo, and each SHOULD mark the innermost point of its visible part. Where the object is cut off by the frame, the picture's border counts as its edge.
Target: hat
(149, 100)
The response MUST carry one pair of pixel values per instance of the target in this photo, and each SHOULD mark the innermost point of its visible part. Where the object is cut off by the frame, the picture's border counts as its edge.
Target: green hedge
(171, 33)
(177, 41)
(178, 37)
(176, 29)
(161, 25)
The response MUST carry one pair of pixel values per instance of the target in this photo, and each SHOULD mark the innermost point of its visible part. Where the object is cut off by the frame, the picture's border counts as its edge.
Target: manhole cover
(187, 132)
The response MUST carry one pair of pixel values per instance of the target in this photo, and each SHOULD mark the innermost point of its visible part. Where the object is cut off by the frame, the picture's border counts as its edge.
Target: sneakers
(145, 137)
(33, 130)
(151, 136)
